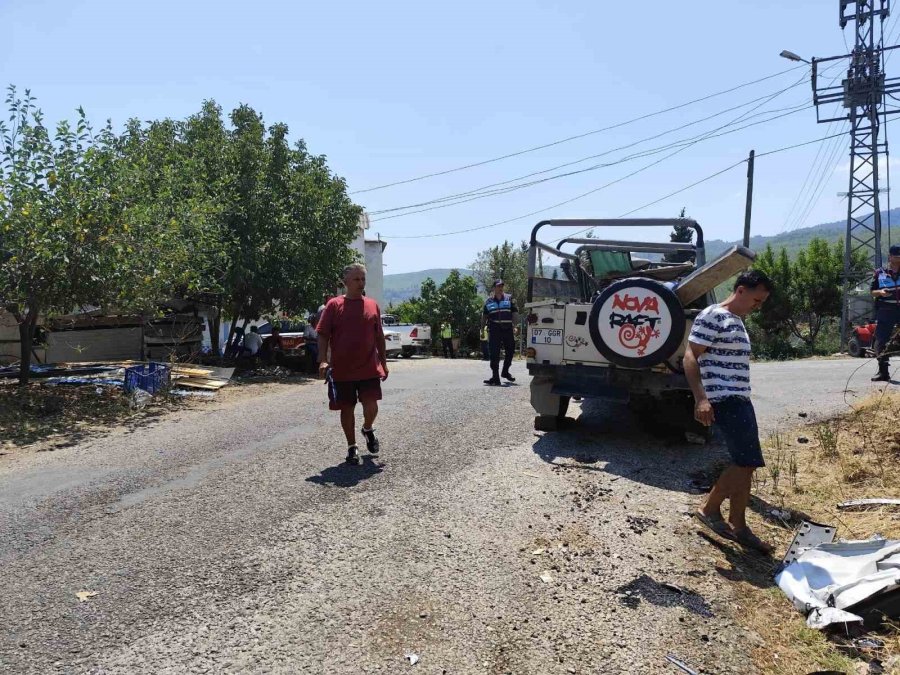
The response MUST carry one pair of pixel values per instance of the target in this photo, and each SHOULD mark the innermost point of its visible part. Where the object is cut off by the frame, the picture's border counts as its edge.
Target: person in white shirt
(717, 367)
(252, 341)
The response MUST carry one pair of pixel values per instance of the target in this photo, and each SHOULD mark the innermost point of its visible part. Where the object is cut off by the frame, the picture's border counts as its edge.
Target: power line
(703, 180)
(828, 168)
(486, 190)
(819, 155)
(819, 168)
(683, 146)
(806, 182)
(547, 208)
(579, 136)
(644, 153)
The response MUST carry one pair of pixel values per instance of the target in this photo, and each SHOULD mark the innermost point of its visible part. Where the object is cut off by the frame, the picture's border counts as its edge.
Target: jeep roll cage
(579, 283)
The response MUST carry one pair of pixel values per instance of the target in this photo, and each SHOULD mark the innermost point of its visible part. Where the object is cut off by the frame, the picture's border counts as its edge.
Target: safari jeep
(615, 325)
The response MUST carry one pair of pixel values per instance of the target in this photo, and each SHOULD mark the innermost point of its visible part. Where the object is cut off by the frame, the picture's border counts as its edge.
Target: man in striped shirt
(717, 366)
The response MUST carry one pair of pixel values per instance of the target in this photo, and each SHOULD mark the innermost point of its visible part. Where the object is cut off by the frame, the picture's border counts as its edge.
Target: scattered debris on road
(84, 596)
(412, 658)
(845, 582)
(678, 663)
(862, 504)
(546, 577)
(640, 524)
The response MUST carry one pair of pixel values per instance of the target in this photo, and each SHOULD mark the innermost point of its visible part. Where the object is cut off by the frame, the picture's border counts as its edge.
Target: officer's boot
(494, 381)
(884, 373)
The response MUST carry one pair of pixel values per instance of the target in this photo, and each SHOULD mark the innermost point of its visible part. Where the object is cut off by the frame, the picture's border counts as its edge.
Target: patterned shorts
(736, 421)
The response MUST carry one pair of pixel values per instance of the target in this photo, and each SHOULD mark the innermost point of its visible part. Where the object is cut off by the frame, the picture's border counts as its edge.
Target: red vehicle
(862, 340)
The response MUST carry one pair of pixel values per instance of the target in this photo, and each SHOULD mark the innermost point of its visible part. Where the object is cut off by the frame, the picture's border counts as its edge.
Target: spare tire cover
(637, 323)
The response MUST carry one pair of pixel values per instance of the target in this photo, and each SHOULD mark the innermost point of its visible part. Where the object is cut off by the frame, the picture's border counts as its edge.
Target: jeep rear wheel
(637, 323)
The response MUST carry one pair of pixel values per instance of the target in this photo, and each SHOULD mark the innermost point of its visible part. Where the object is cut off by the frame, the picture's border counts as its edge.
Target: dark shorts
(736, 421)
(345, 394)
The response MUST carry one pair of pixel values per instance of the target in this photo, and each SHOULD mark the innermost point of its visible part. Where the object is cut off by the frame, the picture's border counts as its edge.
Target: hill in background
(795, 240)
(400, 287)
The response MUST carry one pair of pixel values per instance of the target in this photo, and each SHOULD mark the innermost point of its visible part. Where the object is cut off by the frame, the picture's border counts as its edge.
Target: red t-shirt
(353, 329)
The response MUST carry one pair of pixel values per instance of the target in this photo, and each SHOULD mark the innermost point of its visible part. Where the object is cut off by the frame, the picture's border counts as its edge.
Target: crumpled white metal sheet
(828, 580)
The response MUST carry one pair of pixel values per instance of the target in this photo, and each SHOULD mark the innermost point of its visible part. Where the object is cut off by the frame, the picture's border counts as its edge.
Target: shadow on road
(647, 588)
(608, 438)
(344, 475)
(754, 568)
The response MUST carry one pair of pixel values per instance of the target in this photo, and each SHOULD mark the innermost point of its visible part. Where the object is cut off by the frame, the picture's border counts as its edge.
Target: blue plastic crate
(150, 377)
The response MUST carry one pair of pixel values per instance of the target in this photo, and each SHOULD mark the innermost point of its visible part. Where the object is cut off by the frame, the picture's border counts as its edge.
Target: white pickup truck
(414, 337)
(616, 324)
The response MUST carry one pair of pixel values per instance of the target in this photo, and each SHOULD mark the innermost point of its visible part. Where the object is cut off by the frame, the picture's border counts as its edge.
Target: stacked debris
(182, 378)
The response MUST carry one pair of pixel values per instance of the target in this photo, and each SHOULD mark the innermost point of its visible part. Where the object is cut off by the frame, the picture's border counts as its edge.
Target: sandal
(745, 537)
(717, 525)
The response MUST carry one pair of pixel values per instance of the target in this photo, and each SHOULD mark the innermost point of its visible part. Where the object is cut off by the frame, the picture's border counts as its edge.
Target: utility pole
(749, 199)
(862, 96)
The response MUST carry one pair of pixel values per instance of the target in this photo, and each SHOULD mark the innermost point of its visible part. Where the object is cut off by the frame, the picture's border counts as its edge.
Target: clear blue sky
(390, 91)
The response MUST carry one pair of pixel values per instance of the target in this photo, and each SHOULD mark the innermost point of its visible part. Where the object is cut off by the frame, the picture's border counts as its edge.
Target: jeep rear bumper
(620, 384)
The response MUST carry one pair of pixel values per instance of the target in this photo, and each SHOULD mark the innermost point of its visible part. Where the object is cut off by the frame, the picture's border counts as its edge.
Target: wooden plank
(199, 383)
(191, 371)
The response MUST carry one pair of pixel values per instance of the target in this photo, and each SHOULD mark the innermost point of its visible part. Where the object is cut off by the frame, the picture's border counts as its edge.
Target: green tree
(458, 302)
(681, 234)
(66, 235)
(411, 310)
(175, 184)
(807, 290)
(291, 223)
(507, 261)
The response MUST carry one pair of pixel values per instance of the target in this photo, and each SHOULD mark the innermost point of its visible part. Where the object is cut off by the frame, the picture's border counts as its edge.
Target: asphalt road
(231, 538)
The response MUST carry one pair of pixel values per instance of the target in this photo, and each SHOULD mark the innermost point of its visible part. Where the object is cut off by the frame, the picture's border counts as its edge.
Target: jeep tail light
(532, 318)
(530, 353)
(414, 333)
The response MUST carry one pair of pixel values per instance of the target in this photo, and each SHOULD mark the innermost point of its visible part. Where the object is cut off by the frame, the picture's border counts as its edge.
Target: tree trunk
(236, 314)
(215, 321)
(26, 343)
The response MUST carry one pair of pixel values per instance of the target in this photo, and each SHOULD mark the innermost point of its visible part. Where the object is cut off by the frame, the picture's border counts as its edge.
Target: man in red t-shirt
(350, 329)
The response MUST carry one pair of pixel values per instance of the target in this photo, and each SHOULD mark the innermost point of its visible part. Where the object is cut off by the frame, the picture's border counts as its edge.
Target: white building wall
(375, 271)
(372, 253)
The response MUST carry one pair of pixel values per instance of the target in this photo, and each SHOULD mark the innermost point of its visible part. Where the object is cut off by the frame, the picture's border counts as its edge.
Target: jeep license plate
(546, 336)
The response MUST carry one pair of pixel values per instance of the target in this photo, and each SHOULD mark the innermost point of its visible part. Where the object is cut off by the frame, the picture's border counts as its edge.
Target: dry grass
(851, 457)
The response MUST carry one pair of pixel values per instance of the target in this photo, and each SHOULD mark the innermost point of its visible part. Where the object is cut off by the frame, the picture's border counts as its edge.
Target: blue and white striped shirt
(725, 365)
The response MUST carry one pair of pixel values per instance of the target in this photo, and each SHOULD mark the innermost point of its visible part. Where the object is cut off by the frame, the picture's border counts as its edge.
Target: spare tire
(637, 323)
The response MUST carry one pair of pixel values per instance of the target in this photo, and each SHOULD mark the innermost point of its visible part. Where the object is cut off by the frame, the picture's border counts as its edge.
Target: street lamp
(791, 56)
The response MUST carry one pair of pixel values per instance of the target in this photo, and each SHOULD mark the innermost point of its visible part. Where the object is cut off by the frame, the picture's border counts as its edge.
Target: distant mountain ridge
(400, 287)
(795, 240)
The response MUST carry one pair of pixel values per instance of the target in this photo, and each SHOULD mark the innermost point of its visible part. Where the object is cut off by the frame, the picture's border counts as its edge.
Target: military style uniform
(499, 316)
(887, 315)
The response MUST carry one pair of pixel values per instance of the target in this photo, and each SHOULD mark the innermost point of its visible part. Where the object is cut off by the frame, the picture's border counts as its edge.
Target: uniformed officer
(500, 314)
(886, 291)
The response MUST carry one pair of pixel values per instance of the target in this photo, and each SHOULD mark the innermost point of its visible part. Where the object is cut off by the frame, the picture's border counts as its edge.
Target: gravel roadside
(232, 539)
